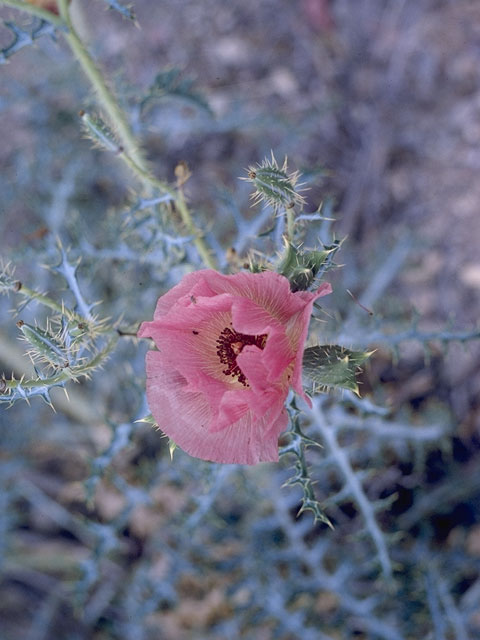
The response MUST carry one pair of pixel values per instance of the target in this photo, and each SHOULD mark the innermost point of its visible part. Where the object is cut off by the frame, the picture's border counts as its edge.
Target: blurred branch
(454, 616)
(393, 339)
(341, 459)
(387, 272)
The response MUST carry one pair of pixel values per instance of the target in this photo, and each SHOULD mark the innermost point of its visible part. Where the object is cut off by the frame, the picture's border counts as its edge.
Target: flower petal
(218, 395)
(185, 417)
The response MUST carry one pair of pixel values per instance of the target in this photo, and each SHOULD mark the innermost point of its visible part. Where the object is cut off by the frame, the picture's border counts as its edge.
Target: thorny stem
(145, 176)
(198, 241)
(107, 99)
(39, 297)
(290, 222)
(132, 154)
(181, 206)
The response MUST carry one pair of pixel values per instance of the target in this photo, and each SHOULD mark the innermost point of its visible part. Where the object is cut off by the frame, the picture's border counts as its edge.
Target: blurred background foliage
(377, 103)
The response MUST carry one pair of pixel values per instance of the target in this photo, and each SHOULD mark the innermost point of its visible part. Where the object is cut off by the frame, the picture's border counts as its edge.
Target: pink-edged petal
(174, 409)
(277, 354)
(185, 417)
(253, 365)
(249, 318)
(323, 290)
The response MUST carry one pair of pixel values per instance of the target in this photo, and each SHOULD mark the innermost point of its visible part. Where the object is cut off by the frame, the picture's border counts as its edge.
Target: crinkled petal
(249, 318)
(185, 417)
(234, 405)
(265, 394)
(269, 290)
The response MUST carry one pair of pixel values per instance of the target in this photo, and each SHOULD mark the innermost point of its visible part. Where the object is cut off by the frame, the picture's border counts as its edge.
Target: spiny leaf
(330, 366)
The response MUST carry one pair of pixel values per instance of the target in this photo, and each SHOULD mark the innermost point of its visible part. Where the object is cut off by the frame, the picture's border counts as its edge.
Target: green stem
(182, 208)
(198, 240)
(107, 100)
(290, 223)
(132, 155)
(39, 297)
(34, 11)
(145, 176)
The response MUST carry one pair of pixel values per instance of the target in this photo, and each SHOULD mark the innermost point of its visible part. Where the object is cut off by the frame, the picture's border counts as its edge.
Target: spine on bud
(274, 185)
(45, 346)
(100, 133)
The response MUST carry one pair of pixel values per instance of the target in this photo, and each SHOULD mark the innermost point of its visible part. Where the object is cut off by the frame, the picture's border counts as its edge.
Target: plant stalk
(107, 100)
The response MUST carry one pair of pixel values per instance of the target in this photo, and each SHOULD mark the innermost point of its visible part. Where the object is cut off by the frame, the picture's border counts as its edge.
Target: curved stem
(107, 99)
(132, 154)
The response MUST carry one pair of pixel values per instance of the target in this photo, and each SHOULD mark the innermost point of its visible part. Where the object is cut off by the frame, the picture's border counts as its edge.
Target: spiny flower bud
(274, 185)
(332, 366)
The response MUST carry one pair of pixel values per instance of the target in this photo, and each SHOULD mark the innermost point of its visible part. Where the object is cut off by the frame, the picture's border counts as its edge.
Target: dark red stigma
(230, 345)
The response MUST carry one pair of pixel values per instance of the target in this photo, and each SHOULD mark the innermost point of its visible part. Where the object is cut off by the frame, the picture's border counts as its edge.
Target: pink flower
(229, 349)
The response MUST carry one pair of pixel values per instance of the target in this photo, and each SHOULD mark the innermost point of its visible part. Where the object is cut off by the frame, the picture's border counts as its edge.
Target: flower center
(230, 345)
